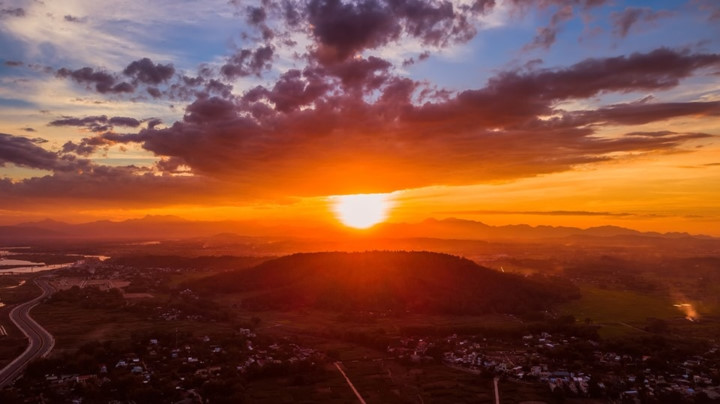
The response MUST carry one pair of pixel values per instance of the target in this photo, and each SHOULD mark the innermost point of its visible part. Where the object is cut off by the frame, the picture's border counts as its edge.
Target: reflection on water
(4, 261)
(24, 270)
(689, 310)
(100, 257)
(24, 266)
(22, 282)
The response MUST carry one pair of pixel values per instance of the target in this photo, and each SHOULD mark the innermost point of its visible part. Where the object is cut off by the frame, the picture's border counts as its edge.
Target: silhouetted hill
(385, 281)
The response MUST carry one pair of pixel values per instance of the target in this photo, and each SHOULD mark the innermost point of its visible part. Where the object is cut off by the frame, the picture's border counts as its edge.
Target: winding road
(41, 341)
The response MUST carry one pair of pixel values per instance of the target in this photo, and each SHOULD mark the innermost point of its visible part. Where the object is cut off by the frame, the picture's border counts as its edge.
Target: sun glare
(363, 210)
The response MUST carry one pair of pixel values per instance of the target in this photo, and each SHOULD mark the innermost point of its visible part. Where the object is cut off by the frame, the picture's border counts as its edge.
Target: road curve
(41, 342)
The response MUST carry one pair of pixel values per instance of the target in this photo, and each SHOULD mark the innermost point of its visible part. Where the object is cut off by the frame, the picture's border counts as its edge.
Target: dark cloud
(659, 69)
(153, 122)
(87, 121)
(99, 123)
(145, 71)
(421, 57)
(104, 82)
(154, 92)
(100, 186)
(356, 73)
(638, 114)
(343, 29)
(631, 16)
(86, 146)
(12, 12)
(513, 98)
(207, 111)
(71, 18)
(293, 90)
(28, 129)
(124, 121)
(13, 63)
(546, 36)
(248, 62)
(25, 152)
(291, 15)
(256, 15)
(218, 88)
(155, 79)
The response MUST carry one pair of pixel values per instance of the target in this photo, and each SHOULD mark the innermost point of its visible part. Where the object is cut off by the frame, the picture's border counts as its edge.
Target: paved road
(497, 392)
(347, 379)
(41, 341)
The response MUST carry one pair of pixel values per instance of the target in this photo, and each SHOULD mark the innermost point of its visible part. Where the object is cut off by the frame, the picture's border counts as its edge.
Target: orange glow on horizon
(361, 211)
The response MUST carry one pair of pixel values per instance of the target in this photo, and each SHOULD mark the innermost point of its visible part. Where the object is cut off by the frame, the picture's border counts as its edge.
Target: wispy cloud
(548, 213)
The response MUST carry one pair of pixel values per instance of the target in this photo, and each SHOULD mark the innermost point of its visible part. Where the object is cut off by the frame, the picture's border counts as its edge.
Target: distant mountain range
(171, 227)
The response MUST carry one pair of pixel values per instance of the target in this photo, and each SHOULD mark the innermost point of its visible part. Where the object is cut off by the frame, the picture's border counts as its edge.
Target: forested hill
(386, 281)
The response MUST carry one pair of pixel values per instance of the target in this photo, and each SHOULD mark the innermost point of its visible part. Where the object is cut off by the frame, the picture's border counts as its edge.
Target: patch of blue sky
(577, 40)
(12, 50)
(16, 103)
(189, 45)
(485, 56)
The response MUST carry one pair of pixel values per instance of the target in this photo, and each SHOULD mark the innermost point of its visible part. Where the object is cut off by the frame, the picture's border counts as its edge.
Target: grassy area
(316, 320)
(326, 386)
(603, 306)
(74, 326)
(176, 280)
(440, 384)
(517, 392)
(9, 281)
(10, 347)
(618, 311)
(13, 291)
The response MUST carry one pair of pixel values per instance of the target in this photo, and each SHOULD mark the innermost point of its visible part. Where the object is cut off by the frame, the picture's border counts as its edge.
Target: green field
(618, 311)
(73, 326)
(603, 305)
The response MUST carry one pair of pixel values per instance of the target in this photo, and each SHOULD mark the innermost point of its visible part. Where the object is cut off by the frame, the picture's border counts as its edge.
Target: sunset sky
(557, 112)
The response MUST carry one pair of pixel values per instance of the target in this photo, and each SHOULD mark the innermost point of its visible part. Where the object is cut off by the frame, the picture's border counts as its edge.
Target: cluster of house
(531, 363)
(97, 270)
(198, 360)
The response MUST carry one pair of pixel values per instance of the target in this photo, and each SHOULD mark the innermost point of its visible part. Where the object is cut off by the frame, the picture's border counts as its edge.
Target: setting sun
(363, 210)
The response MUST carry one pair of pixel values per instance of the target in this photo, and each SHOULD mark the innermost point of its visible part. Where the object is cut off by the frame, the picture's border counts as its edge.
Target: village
(168, 368)
(541, 358)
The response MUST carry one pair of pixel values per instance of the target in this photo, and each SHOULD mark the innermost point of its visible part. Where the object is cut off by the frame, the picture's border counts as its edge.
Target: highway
(41, 342)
